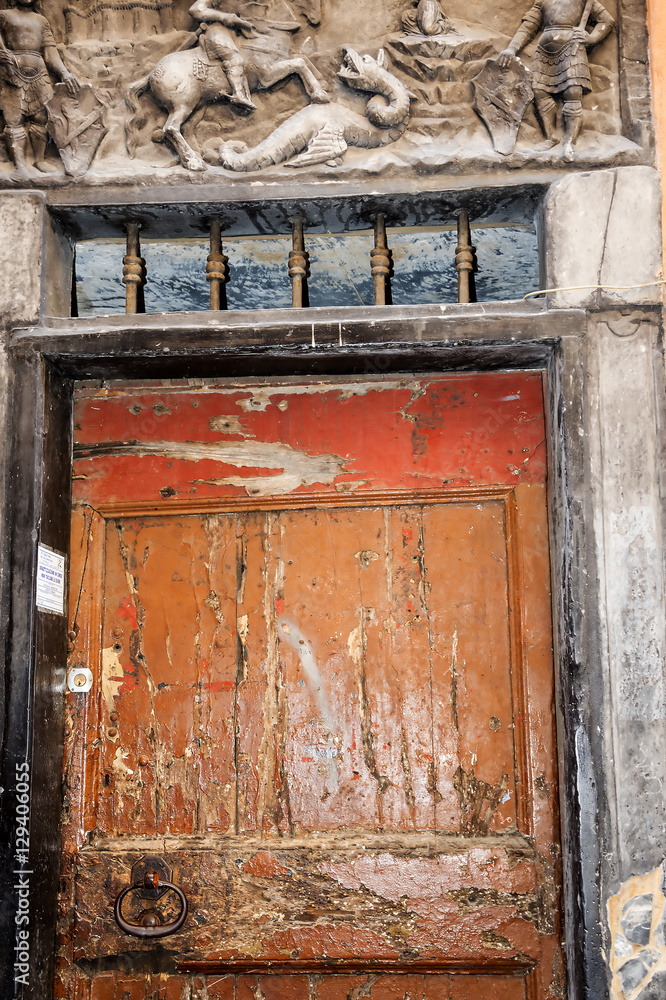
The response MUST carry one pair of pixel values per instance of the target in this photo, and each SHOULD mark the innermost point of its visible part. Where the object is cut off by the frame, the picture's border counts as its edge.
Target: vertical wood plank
(214, 988)
(331, 747)
(253, 695)
(80, 762)
(273, 987)
(408, 672)
(487, 987)
(437, 987)
(467, 568)
(268, 728)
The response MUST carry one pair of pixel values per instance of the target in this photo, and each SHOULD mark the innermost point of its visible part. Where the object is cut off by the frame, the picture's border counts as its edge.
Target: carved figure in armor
(184, 81)
(219, 44)
(27, 53)
(560, 68)
(426, 18)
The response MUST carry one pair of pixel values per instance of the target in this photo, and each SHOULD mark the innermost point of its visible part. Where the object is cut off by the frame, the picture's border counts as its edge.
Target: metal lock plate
(146, 866)
(79, 680)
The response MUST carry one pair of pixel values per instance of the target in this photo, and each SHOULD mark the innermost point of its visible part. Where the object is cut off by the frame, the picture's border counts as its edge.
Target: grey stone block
(604, 228)
(655, 989)
(21, 239)
(634, 971)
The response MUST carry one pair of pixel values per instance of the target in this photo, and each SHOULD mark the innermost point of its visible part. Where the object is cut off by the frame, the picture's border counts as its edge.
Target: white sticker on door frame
(50, 590)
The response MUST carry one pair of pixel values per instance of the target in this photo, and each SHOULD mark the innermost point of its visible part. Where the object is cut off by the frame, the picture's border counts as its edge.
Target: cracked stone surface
(601, 231)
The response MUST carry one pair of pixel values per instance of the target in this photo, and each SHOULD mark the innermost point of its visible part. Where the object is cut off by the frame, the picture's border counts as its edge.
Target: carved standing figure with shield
(560, 68)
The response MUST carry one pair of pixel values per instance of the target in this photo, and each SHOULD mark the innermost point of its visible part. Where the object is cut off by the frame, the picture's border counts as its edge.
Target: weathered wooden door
(317, 618)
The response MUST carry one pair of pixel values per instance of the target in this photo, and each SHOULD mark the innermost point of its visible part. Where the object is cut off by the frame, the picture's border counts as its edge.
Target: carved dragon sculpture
(322, 134)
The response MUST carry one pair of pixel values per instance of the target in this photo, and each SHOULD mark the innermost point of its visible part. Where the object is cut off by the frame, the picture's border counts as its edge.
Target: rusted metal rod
(217, 269)
(134, 271)
(299, 267)
(465, 260)
(381, 263)
(74, 304)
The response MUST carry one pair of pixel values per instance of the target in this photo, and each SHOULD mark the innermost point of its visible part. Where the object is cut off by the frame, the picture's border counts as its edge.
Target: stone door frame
(596, 360)
(45, 369)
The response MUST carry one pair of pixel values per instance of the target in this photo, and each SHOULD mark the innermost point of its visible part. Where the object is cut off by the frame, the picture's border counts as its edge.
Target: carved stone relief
(164, 91)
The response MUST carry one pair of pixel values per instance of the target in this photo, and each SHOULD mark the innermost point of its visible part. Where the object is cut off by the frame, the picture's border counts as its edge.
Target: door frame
(46, 362)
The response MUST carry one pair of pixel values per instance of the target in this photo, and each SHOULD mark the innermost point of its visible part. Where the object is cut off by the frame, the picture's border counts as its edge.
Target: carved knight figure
(560, 67)
(426, 18)
(27, 53)
(219, 43)
(217, 69)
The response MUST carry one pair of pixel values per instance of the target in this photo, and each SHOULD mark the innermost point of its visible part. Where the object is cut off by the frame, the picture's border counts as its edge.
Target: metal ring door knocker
(151, 879)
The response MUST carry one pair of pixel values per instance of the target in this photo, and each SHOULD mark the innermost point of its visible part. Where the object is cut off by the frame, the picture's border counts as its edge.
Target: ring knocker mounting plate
(151, 879)
(143, 867)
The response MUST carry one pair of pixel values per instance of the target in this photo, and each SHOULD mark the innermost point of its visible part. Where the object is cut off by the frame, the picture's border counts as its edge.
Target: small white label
(50, 580)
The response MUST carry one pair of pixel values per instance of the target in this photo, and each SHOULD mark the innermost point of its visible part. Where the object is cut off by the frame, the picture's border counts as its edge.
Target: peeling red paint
(264, 865)
(127, 610)
(385, 434)
(129, 681)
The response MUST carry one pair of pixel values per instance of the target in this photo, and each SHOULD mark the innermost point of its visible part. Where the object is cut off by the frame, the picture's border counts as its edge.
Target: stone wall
(602, 255)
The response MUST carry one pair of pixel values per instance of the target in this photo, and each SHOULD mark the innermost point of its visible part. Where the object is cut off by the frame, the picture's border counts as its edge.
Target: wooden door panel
(367, 739)
(258, 751)
(170, 618)
(111, 986)
(203, 442)
(391, 898)
(330, 711)
(467, 563)
(360, 765)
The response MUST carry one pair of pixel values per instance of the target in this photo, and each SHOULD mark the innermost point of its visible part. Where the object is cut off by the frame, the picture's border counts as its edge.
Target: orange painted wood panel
(383, 673)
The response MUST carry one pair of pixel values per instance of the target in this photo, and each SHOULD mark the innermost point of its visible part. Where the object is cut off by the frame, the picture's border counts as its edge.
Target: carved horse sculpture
(322, 135)
(183, 82)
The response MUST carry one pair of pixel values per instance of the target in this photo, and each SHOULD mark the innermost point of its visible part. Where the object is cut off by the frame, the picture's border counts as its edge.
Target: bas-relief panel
(153, 91)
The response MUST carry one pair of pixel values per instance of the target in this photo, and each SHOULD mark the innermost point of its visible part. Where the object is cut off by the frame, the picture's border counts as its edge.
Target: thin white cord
(580, 288)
